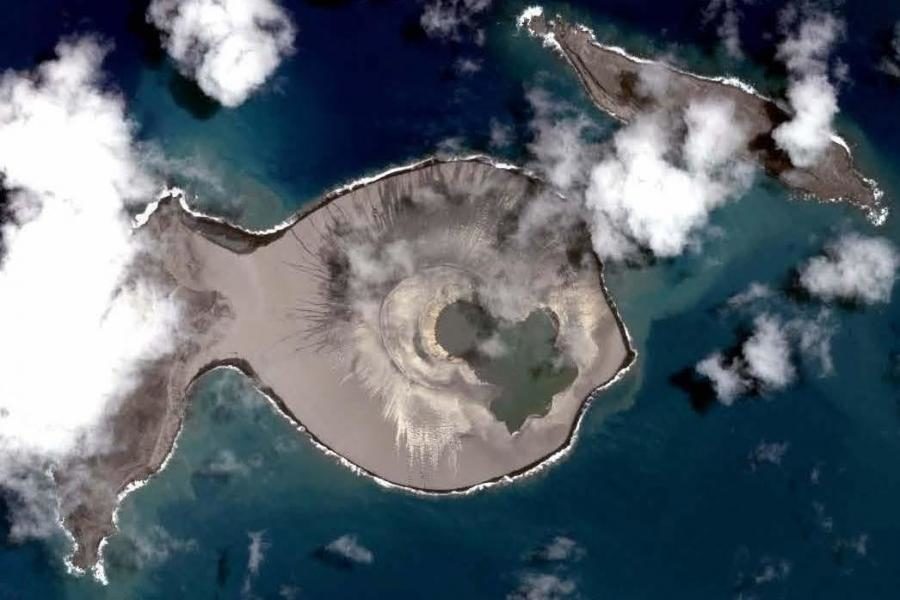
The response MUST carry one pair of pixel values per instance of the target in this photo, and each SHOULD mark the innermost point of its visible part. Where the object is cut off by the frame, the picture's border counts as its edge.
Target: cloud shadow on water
(153, 54)
(188, 95)
(699, 389)
(332, 559)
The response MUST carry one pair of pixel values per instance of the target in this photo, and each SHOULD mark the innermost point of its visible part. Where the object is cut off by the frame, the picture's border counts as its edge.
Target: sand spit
(332, 316)
(612, 78)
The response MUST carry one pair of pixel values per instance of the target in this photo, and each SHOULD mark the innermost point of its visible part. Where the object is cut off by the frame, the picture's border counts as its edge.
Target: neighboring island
(611, 77)
(430, 326)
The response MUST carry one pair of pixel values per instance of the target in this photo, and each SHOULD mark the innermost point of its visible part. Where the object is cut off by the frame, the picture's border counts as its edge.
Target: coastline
(173, 194)
(176, 195)
(876, 212)
(529, 470)
(180, 196)
(263, 344)
(97, 570)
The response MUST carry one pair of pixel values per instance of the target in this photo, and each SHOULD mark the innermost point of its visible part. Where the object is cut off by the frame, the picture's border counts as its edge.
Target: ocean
(793, 494)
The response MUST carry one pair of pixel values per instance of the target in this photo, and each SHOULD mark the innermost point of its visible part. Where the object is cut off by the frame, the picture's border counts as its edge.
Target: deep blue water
(663, 500)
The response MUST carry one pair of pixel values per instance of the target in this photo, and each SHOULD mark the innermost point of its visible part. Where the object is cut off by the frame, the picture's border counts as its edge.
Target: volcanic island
(439, 327)
(430, 326)
(612, 78)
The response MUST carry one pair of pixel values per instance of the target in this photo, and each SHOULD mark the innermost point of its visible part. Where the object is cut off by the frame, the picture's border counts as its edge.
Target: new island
(425, 326)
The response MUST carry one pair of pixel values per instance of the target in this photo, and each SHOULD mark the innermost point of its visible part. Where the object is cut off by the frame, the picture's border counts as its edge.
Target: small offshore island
(611, 77)
(428, 326)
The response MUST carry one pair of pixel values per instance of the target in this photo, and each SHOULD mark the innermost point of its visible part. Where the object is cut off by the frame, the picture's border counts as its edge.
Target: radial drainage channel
(522, 359)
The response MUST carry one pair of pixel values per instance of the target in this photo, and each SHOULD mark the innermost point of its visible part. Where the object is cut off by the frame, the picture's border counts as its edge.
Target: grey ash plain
(334, 316)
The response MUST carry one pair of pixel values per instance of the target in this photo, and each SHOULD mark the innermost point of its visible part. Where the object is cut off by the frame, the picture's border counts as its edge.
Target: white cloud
(560, 549)
(854, 268)
(32, 505)
(256, 553)
(78, 322)
(812, 97)
(808, 134)
(727, 381)
(772, 571)
(224, 463)
(714, 136)
(860, 544)
(348, 548)
(768, 452)
(155, 545)
(448, 19)
(451, 146)
(767, 354)
(653, 193)
(493, 347)
(808, 48)
(890, 64)
(289, 592)
(557, 144)
(501, 134)
(764, 360)
(654, 80)
(229, 47)
(729, 26)
(729, 32)
(813, 338)
(756, 291)
(654, 186)
(466, 66)
(825, 521)
(542, 586)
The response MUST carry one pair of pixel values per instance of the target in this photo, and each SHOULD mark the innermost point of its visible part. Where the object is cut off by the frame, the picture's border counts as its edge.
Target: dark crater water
(522, 359)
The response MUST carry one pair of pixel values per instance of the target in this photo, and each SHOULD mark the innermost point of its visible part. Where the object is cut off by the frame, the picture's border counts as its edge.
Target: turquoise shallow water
(662, 500)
